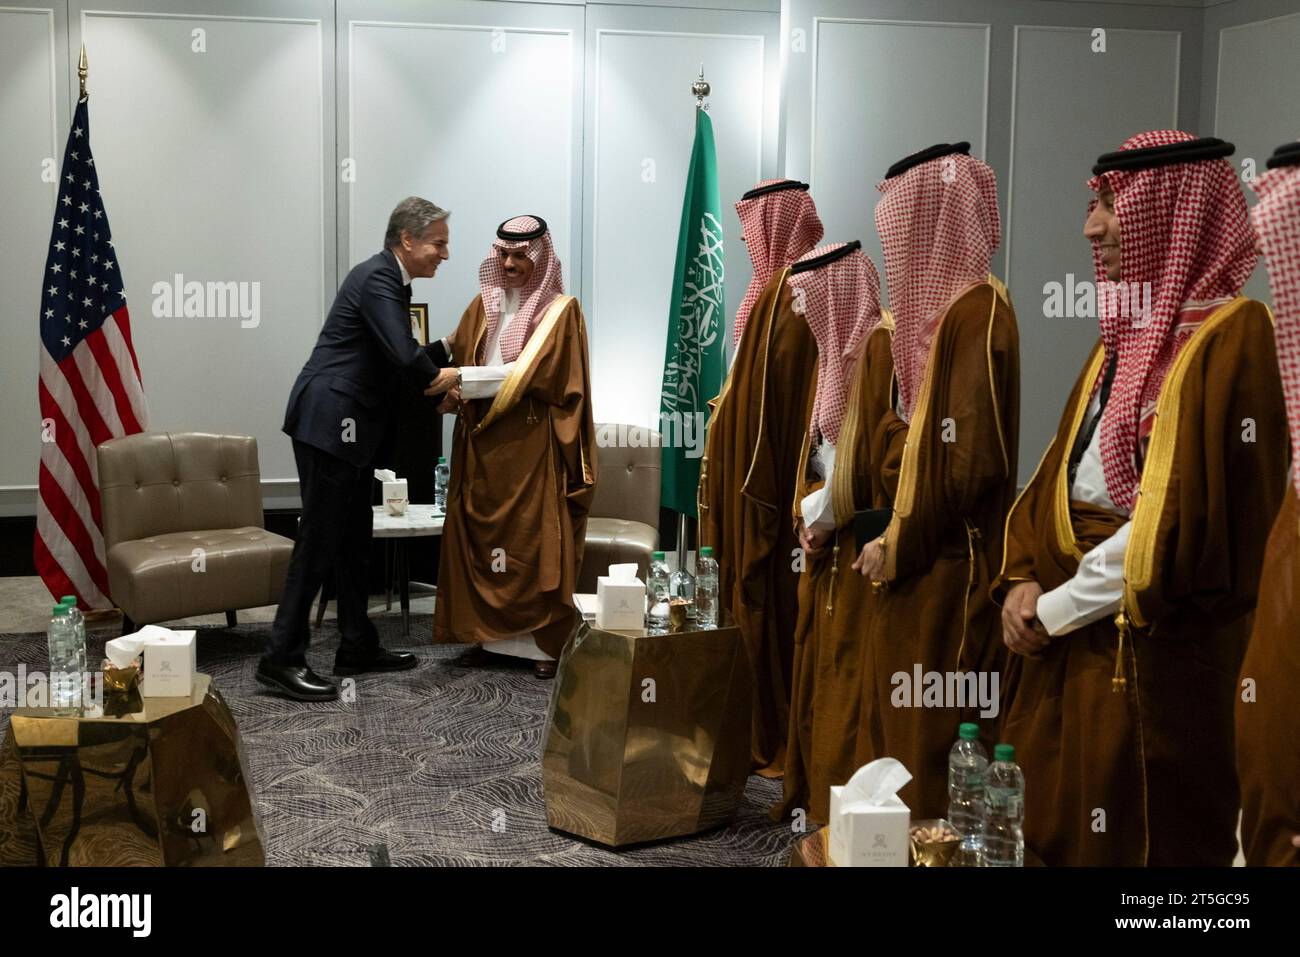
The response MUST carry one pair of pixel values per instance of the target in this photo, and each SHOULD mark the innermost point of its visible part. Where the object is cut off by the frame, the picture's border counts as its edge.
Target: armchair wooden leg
(128, 626)
(232, 619)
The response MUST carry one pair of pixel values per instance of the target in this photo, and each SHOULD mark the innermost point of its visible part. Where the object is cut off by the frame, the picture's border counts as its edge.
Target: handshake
(446, 381)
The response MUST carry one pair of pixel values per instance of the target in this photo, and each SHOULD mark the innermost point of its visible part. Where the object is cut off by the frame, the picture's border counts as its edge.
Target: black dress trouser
(333, 543)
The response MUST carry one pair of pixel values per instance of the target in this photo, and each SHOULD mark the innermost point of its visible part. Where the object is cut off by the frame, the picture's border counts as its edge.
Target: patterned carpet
(421, 762)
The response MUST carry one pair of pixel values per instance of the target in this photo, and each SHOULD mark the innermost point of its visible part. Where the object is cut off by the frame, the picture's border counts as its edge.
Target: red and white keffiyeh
(778, 227)
(1277, 221)
(841, 303)
(545, 283)
(1184, 228)
(939, 226)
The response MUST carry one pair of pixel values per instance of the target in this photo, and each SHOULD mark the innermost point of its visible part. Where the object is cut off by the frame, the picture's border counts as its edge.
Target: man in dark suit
(341, 419)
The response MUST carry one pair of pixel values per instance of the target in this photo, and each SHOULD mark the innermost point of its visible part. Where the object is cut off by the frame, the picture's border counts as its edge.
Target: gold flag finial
(83, 68)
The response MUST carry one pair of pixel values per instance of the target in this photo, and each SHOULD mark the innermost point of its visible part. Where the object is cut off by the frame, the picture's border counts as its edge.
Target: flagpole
(700, 89)
(83, 71)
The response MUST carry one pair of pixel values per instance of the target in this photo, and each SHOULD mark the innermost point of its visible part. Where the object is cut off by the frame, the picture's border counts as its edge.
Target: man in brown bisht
(946, 454)
(752, 449)
(523, 467)
(1268, 714)
(1133, 556)
(837, 292)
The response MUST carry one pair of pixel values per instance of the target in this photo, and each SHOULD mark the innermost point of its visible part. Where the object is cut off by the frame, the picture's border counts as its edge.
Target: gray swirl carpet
(422, 762)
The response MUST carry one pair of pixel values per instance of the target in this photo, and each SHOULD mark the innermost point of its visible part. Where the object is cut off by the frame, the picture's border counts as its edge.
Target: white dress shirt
(816, 507)
(1097, 588)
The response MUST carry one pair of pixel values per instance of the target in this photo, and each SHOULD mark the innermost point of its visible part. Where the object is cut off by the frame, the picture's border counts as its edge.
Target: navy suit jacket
(345, 399)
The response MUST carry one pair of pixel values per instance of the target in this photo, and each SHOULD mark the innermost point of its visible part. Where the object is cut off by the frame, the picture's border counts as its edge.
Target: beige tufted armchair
(164, 495)
(623, 525)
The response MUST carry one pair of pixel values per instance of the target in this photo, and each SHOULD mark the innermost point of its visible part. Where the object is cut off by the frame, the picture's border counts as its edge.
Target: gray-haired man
(340, 417)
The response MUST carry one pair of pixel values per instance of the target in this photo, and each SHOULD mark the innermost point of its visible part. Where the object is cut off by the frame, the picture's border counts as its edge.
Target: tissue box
(168, 665)
(620, 604)
(866, 835)
(395, 497)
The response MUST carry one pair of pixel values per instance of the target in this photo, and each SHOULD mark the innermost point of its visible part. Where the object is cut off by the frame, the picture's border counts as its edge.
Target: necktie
(1085, 438)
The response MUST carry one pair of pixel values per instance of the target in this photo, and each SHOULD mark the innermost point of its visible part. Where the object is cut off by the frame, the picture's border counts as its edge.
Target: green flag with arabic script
(693, 360)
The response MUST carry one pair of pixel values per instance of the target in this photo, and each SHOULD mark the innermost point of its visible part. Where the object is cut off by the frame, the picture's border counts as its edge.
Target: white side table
(419, 521)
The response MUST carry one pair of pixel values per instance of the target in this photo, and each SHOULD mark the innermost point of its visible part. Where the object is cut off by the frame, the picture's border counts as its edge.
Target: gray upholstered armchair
(623, 525)
(165, 494)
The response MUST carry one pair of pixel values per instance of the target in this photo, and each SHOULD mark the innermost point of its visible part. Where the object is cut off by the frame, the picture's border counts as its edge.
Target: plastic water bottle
(706, 589)
(967, 768)
(79, 622)
(682, 585)
(441, 476)
(1004, 838)
(66, 656)
(656, 595)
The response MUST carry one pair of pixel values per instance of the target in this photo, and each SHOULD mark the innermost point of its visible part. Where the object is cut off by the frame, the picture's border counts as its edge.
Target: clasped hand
(1022, 632)
(813, 540)
(446, 381)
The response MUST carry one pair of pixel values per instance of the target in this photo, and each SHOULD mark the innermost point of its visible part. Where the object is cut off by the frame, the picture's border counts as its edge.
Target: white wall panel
(640, 133)
(1069, 105)
(490, 134)
(1257, 102)
(882, 90)
(212, 166)
(28, 114)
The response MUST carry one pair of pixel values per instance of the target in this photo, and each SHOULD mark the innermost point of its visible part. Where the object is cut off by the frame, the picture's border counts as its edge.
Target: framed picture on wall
(420, 322)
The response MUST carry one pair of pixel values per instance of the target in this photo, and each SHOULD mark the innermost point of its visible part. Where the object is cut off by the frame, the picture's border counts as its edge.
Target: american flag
(90, 380)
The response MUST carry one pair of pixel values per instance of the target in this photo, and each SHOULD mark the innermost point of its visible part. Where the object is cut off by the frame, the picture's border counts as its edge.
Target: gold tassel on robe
(1119, 682)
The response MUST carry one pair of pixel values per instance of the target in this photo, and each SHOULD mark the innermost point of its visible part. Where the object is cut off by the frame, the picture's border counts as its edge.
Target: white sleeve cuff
(482, 382)
(816, 509)
(1095, 591)
(1057, 611)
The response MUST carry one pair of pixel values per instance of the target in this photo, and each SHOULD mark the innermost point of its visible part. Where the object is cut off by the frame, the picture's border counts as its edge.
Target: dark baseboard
(17, 534)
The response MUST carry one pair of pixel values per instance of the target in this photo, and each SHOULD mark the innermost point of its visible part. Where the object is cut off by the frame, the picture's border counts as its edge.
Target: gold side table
(163, 785)
(648, 735)
(812, 850)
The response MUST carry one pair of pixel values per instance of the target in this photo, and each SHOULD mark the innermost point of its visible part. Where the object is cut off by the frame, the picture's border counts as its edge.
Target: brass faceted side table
(163, 785)
(648, 735)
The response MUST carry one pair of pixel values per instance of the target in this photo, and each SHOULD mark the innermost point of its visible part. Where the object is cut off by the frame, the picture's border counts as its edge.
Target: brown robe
(1138, 767)
(1268, 755)
(834, 602)
(746, 493)
(523, 474)
(950, 476)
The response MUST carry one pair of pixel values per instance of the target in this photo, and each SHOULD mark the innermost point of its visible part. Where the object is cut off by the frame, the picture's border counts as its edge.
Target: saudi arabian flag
(693, 360)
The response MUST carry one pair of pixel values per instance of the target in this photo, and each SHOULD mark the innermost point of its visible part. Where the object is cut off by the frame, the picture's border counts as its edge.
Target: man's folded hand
(443, 381)
(451, 402)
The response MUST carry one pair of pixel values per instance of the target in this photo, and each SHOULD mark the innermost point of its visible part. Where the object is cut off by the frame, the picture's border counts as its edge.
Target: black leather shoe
(297, 681)
(381, 660)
